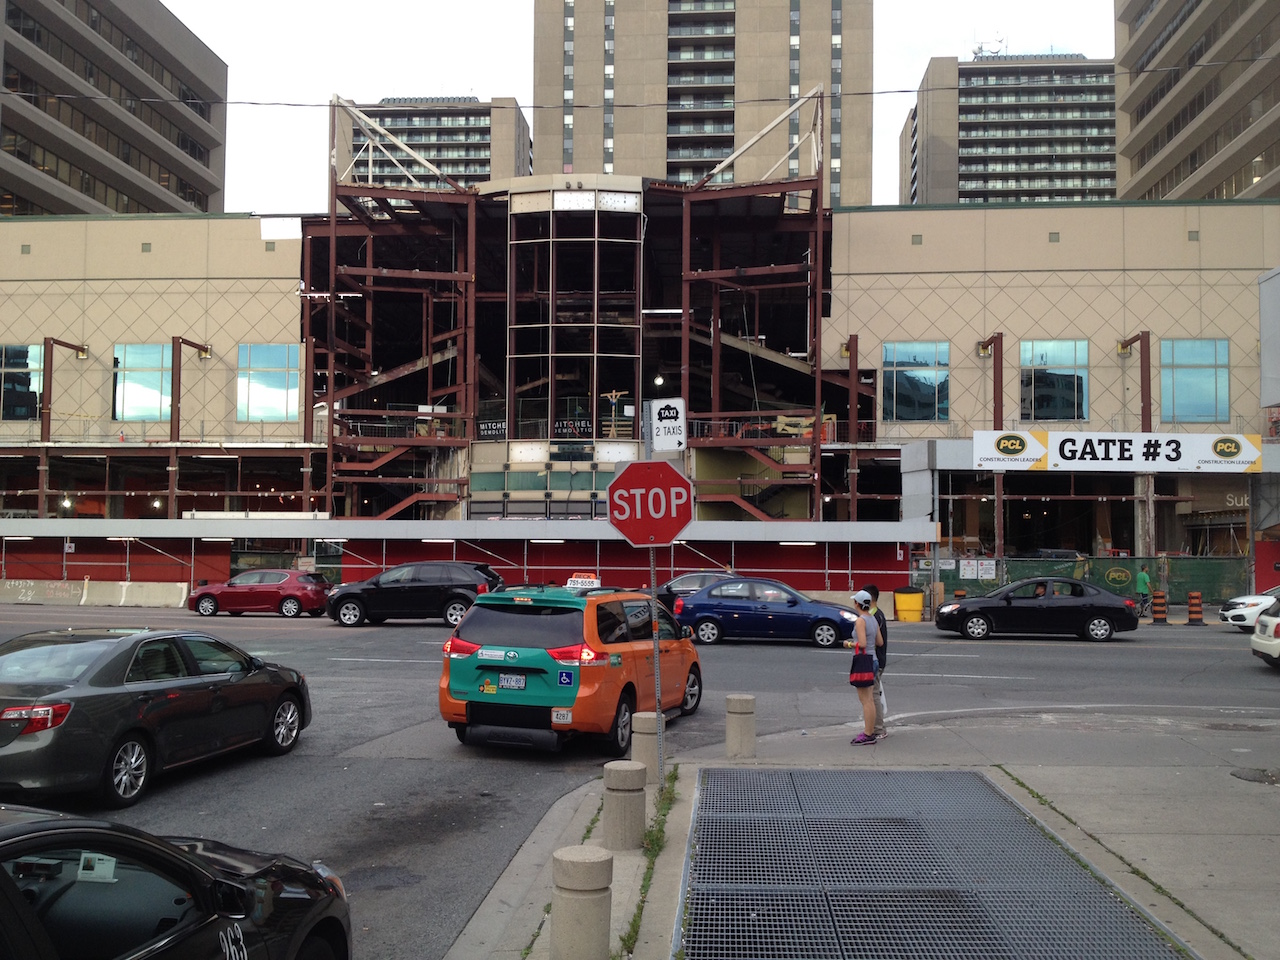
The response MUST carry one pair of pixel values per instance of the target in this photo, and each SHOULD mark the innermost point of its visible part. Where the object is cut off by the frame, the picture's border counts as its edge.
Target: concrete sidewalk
(1179, 811)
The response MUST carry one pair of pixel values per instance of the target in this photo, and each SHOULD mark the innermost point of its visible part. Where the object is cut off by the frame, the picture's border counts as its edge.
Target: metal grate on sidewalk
(917, 865)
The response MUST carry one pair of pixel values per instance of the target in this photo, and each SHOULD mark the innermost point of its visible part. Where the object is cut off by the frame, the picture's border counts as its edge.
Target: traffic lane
(419, 826)
(932, 672)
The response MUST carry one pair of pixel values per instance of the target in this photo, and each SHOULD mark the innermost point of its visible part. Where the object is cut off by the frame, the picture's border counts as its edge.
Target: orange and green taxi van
(535, 665)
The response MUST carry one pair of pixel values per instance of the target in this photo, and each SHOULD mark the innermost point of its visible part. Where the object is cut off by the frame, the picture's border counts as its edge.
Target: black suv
(428, 588)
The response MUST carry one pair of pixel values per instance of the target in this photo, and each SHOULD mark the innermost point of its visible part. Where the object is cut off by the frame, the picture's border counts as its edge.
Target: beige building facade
(1198, 99)
(669, 90)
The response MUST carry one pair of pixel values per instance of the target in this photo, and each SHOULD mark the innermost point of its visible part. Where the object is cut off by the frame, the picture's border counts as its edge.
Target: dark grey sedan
(108, 709)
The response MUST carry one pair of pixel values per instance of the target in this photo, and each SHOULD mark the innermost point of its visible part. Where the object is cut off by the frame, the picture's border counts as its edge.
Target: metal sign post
(657, 663)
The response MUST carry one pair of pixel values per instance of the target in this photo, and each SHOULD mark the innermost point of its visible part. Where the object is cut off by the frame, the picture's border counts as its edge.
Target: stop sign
(650, 502)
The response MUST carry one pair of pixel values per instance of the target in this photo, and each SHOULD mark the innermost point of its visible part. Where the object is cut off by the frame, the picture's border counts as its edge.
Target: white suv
(1265, 641)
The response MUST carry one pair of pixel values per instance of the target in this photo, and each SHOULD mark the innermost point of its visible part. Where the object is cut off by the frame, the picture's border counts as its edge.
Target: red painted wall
(1267, 556)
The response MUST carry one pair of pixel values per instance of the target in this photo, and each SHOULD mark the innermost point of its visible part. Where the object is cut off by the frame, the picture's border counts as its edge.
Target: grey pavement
(1178, 809)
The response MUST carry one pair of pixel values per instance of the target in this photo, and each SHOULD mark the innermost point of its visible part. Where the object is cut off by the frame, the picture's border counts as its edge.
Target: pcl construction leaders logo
(1118, 577)
(1227, 448)
(1011, 445)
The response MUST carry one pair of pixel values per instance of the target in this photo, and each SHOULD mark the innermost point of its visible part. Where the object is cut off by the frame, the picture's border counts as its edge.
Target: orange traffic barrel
(1195, 612)
(1159, 609)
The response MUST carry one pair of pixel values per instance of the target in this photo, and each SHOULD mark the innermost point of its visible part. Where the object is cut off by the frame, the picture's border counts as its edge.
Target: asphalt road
(420, 827)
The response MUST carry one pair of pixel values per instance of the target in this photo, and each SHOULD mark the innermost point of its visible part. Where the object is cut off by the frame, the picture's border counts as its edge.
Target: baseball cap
(862, 598)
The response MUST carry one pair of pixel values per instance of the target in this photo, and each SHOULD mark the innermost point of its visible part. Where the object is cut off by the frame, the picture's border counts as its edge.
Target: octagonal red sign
(650, 503)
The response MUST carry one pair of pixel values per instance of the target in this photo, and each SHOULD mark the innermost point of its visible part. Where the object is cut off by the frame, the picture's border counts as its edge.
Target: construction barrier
(1159, 609)
(960, 594)
(908, 604)
(1195, 612)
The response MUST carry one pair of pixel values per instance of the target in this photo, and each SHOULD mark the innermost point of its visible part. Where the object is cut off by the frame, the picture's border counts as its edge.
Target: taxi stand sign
(1087, 451)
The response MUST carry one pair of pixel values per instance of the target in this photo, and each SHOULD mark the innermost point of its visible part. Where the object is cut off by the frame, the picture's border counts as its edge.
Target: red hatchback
(287, 592)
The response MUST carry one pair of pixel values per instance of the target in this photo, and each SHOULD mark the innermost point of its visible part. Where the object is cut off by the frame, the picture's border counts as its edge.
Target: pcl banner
(1086, 451)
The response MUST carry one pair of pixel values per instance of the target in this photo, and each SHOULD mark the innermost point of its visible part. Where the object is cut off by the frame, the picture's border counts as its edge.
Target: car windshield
(522, 625)
(48, 660)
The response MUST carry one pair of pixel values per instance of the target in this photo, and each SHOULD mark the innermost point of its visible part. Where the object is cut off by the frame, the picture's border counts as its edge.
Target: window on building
(267, 382)
(1195, 381)
(917, 381)
(21, 373)
(141, 381)
(1055, 379)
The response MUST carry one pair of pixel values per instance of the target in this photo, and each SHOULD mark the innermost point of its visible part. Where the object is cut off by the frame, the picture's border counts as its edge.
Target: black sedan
(763, 609)
(689, 583)
(107, 709)
(1041, 605)
(85, 888)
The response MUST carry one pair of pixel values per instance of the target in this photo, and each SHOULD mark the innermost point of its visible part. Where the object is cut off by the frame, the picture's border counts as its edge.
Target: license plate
(511, 681)
(562, 716)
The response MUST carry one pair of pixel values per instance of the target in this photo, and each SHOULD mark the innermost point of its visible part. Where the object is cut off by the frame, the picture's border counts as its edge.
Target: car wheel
(351, 613)
(707, 631)
(620, 732)
(286, 726)
(455, 610)
(461, 732)
(692, 692)
(825, 633)
(1098, 628)
(315, 947)
(291, 607)
(1244, 629)
(977, 627)
(128, 772)
(206, 606)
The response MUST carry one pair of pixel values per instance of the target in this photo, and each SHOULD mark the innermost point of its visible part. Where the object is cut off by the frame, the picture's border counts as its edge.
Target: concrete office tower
(113, 106)
(1196, 91)
(466, 139)
(1008, 129)
(669, 88)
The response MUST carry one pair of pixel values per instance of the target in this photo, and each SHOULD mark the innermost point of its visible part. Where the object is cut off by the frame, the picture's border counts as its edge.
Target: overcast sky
(287, 58)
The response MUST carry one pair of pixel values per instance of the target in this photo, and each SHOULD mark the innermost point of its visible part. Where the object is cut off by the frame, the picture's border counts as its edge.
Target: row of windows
(22, 148)
(62, 111)
(267, 381)
(92, 73)
(1028, 96)
(139, 55)
(971, 79)
(1052, 147)
(1195, 380)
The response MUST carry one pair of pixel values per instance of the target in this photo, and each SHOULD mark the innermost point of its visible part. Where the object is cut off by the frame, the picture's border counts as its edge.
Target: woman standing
(862, 673)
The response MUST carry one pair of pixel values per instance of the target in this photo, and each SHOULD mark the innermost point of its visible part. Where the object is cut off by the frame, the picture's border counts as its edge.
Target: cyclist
(1143, 589)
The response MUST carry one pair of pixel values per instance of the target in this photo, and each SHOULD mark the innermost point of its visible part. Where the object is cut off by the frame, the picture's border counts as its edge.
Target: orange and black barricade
(1195, 612)
(1159, 609)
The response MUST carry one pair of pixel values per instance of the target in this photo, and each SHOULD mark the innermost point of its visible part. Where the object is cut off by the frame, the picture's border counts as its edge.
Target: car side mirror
(792, 601)
(232, 900)
(256, 663)
(686, 633)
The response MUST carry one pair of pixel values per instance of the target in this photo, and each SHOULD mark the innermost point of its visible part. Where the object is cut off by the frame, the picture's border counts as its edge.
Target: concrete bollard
(644, 741)
(581, 900)
(624, 804)
(740, 725)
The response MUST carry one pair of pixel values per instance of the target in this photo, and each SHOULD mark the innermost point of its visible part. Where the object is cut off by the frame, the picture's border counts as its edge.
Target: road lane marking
(378, 660)
(971, 656)
(956, 676)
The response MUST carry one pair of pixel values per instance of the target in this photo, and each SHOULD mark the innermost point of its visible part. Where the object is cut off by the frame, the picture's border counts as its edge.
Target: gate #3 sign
(1092, 452)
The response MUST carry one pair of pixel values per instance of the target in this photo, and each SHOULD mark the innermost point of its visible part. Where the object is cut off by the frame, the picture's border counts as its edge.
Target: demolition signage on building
(1095, 452)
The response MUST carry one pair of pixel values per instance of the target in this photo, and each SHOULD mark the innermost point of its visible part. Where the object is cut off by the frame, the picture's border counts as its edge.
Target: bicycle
(1144, 605)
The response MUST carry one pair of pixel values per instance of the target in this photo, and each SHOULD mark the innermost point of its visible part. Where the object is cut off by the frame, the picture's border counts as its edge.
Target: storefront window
(20, 373)
(1195, 381)
(917, 381)
(141, 384)
(267, 382)
(1055, 379)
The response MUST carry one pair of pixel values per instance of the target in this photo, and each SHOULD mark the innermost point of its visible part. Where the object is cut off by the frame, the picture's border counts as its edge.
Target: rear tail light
(483, 587)
(573, 655)
(679, 605)
(1275, 631)
(457, 648)
(38, 716)
(1131, 604)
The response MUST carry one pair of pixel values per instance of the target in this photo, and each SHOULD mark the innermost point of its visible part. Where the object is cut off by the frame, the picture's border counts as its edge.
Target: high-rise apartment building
(1009, 129)
(113, 107)
(1198, 99)
(469, 141)
(671, 88)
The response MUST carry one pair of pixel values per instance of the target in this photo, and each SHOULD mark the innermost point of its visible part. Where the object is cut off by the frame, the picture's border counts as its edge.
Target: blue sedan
(759, 608)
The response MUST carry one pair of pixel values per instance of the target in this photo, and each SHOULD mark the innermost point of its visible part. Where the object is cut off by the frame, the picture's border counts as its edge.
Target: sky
(286, 60)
